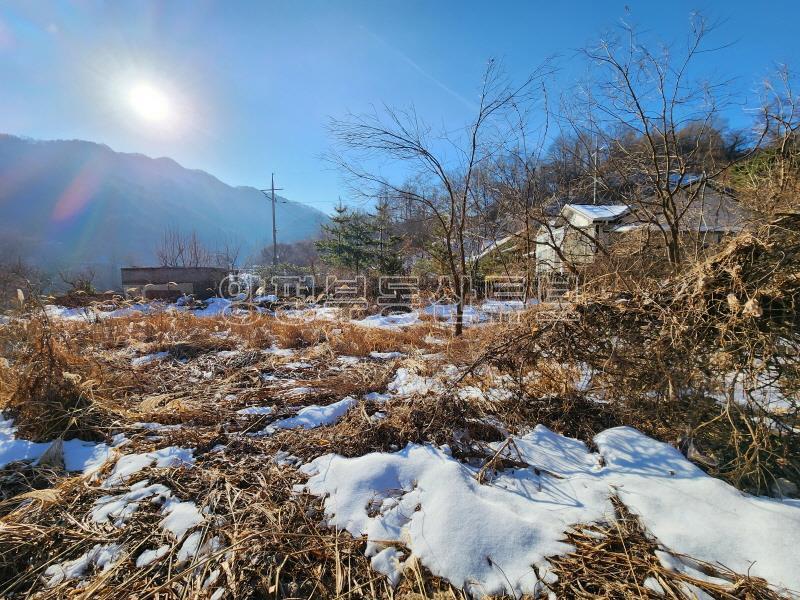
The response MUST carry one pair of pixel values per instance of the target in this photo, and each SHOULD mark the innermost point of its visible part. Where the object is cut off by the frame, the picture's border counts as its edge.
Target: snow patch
(300, 390)
(313, 416)
(149, 556)
(121, 507)
(180, 517)
(389, 321)
(386, 355)
(298, 365)
(130, 464)
(278, 351)
(487, 537)
(102, 556)
(256, 410)
(214, 307)
(140, 361)
(447, 312)
(408, 383)
(79, 455)
(723, 525)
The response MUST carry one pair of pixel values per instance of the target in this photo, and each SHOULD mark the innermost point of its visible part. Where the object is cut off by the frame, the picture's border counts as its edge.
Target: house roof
(713, 211)
(604, 212)
(491, 246)
(677, 180)
(626, 227)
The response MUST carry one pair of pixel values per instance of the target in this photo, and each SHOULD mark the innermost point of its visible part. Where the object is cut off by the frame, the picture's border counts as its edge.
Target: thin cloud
(419, 69)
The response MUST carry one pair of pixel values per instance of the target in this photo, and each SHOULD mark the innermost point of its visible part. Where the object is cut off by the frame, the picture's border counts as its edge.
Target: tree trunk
(459, 317)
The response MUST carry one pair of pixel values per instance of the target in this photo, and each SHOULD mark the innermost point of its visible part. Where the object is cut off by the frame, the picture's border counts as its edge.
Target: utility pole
(594, 173)
(594, 177)
(274, 226)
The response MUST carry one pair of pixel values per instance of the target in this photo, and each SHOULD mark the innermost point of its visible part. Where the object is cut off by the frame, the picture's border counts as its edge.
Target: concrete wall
(166, 282)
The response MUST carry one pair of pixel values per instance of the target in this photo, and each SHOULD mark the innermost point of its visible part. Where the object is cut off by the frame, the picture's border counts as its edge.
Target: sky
(243, 89)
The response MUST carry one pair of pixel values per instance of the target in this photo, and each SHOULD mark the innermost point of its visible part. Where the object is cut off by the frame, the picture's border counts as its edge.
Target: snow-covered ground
(78, 455)
(313, 416)
(445, 313)
(486, 536)
(91, 313)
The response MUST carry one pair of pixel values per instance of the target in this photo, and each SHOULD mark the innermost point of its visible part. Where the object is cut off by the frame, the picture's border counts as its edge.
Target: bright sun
(149, 102)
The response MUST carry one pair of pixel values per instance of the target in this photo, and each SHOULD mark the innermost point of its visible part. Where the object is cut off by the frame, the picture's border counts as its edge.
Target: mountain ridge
(65, 204)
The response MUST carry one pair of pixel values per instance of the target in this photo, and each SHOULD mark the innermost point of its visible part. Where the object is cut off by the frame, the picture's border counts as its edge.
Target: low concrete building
(169, 283)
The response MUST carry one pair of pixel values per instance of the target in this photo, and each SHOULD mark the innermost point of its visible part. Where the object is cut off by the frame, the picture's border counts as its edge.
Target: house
(169, 283)
(575, 234)
(579, 230)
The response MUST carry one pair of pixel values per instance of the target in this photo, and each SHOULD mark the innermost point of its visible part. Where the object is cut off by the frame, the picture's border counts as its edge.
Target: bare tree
(197, 255)
(444, 184)
(171, 249)
(657, 128)
(176, 249)
(16, 274)
(770, 182)
(528, 188)
(227, 254)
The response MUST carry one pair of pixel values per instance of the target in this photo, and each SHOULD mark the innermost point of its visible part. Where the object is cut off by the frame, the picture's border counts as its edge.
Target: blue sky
(250, 85)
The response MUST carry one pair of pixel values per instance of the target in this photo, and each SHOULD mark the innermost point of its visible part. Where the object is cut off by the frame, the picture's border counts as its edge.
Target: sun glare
(149, 102)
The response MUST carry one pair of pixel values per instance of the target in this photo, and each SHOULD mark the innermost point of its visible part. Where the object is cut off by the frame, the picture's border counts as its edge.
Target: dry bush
(150, 331)
(19, 482)
(432, 419)
(297, 334)
(52, 387)
(81, 298)
(671, 360)
(356, 380)
(251, 330)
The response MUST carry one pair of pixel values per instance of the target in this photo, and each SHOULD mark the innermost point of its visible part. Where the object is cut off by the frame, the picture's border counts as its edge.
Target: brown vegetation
(687, 360)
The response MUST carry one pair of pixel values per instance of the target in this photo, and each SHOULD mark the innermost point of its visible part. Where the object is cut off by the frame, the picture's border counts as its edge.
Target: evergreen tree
(388, 259)
(330, 248)
(359, 241)
(350, 243)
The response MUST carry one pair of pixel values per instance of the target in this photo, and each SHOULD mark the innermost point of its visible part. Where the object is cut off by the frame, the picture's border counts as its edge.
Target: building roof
(677, 180)
(602, 212)
(713, 211)
(491, 246)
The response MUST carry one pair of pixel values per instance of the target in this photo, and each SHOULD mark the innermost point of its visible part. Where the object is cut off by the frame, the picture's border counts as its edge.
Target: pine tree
(388, 259)
(331, 248)
(351, 241)
(359, 241)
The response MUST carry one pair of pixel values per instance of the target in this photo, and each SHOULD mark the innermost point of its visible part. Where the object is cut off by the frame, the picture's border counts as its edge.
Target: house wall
(547, 260)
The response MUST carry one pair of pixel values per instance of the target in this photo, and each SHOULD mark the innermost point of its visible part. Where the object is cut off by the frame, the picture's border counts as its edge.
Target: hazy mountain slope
(64, 203)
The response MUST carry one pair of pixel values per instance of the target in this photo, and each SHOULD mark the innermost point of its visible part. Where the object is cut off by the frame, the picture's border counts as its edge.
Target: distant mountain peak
(65, 203)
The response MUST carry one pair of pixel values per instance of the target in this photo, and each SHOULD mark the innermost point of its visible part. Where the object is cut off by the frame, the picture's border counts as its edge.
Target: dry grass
(52, 388)
(273, 540)
(614, 560)
(272, 543)
(423, 420)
